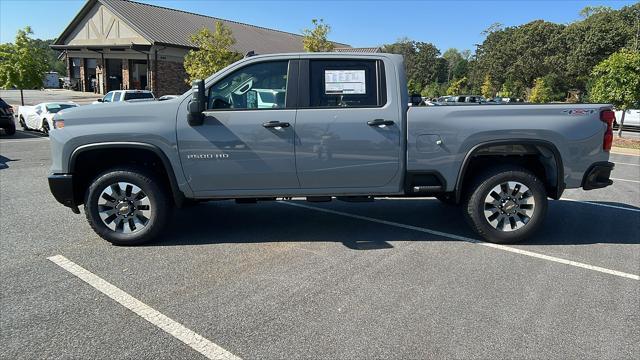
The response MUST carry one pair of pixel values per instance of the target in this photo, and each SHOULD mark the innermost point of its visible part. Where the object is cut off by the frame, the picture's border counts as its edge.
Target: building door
(114, 74)
(90, 75)
(138, 71)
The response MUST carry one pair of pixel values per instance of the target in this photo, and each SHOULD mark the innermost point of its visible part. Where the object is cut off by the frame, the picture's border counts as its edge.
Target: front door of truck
(246, 142)
(348, 128)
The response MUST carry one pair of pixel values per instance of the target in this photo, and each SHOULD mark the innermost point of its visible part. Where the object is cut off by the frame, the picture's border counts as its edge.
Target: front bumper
(597, 176)
(61, 186)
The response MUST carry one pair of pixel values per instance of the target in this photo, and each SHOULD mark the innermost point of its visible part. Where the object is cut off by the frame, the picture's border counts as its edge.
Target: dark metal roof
(165, 26)
(359, 50)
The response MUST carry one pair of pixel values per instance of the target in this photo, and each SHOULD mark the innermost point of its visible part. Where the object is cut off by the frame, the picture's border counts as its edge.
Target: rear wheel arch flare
(547, 154)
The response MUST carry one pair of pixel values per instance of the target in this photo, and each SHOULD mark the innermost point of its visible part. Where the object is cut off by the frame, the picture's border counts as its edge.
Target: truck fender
(560, 186)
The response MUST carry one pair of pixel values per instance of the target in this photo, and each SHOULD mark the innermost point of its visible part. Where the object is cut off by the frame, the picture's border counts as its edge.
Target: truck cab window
(108, 97)
(257, 86)
(346, 83)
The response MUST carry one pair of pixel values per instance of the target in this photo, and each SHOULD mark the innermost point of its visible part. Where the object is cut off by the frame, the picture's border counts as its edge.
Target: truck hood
(122, 112)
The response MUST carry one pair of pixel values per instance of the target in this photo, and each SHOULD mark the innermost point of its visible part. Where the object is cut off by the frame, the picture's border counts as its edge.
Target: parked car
(126, 95)
(631, 119)
(167, 97)
(344, 130)
(39, 117)
(463, 99)
(6, 118)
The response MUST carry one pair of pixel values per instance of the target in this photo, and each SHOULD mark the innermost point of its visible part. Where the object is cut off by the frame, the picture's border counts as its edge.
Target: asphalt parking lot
(390, 279)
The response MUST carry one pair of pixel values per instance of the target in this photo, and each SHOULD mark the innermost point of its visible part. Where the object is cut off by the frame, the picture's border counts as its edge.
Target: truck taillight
(608, 116)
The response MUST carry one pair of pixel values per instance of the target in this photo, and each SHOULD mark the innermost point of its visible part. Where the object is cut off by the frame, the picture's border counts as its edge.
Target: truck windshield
(138, 95)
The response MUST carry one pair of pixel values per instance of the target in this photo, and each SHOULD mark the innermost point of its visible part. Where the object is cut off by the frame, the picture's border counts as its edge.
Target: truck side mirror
(196, 106)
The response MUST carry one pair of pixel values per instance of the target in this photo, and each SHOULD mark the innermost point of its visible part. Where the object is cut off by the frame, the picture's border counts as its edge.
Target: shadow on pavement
(4, 161)
(567, 223)
(21, 134)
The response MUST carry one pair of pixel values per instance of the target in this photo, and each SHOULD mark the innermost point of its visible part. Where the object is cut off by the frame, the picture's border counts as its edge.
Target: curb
(625, 151)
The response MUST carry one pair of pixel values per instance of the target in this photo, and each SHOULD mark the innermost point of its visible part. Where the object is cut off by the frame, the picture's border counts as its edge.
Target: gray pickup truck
(322, 126)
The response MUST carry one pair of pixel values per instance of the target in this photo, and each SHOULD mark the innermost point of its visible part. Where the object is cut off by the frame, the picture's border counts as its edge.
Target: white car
(40, 117)
(126, 95)
(631, 118)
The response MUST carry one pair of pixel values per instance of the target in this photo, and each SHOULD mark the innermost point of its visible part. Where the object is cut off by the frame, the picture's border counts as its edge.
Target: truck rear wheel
(127, 206)
(506, 204)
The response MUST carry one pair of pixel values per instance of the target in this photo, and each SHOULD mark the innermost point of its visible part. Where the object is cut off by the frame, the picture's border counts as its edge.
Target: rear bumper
(61, 186)
(597, 176)
(6, 120)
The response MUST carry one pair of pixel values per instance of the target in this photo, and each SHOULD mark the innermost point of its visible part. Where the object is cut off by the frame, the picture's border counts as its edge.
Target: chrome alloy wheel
(509, 206)
(124, 208)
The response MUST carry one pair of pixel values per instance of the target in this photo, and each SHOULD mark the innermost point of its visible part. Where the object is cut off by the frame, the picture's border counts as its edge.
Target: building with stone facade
(121, 44)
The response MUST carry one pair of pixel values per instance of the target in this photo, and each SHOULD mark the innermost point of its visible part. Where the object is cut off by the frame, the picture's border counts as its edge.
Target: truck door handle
(276, 124)
(380, 122)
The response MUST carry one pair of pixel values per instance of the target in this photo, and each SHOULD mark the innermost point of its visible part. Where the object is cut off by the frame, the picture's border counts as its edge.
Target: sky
(445, 23)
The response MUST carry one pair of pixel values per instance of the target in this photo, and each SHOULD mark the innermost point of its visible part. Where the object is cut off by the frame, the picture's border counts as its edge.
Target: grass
(626, 143)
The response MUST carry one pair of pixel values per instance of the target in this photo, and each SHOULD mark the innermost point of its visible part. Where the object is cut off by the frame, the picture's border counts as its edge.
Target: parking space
(399, 278)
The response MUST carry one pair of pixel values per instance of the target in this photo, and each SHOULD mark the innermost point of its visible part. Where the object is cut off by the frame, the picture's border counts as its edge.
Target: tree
(213, 54)
(22, 64)
(487, 87)
(456, 87)
(315, 40)
(422, 62)
(616, 80)
(591, 10)
(541, 92)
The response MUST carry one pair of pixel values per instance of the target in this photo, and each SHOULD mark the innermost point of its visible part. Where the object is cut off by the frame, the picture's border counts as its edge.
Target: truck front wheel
(506, 204)
(127, 206)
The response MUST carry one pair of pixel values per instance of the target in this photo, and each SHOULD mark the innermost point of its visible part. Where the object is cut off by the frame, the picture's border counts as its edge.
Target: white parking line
(474, 241)
(633, 181)
(621, 163)
(2, 141)
(605, 205)
(177, 330)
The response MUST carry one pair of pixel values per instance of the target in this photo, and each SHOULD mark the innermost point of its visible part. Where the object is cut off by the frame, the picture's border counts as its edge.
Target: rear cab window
(137, 95)
(345, 83)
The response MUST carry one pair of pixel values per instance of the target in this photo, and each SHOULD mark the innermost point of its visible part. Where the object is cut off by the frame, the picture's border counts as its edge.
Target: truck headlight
(58, 123)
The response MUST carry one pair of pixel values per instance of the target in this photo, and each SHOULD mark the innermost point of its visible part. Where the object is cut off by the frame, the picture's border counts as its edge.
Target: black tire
(23, 124)
(160, 206)
(10, 130)
(504, 231)
(447, 198)
(45, 127)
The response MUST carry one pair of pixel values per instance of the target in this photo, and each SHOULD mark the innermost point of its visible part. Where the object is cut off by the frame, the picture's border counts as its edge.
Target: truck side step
(426, 188)
(319, 198)
(357, 199)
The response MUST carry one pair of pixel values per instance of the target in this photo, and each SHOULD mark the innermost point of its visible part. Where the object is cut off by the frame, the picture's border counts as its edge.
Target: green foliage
(591, 10)
(56, 65)
(457, 87)
(487, 89)
(22, 64)
(458, 63)
(422, 62)
(563, 54)
(213, 54)
(541, 92)
(315, 40)
(616, 80)
(434, 90)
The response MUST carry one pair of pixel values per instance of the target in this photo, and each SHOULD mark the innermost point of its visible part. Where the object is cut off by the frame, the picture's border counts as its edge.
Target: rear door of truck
(348, 125)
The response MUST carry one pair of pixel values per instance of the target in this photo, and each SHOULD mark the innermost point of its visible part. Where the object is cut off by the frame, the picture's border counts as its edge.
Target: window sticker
(339, 82)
